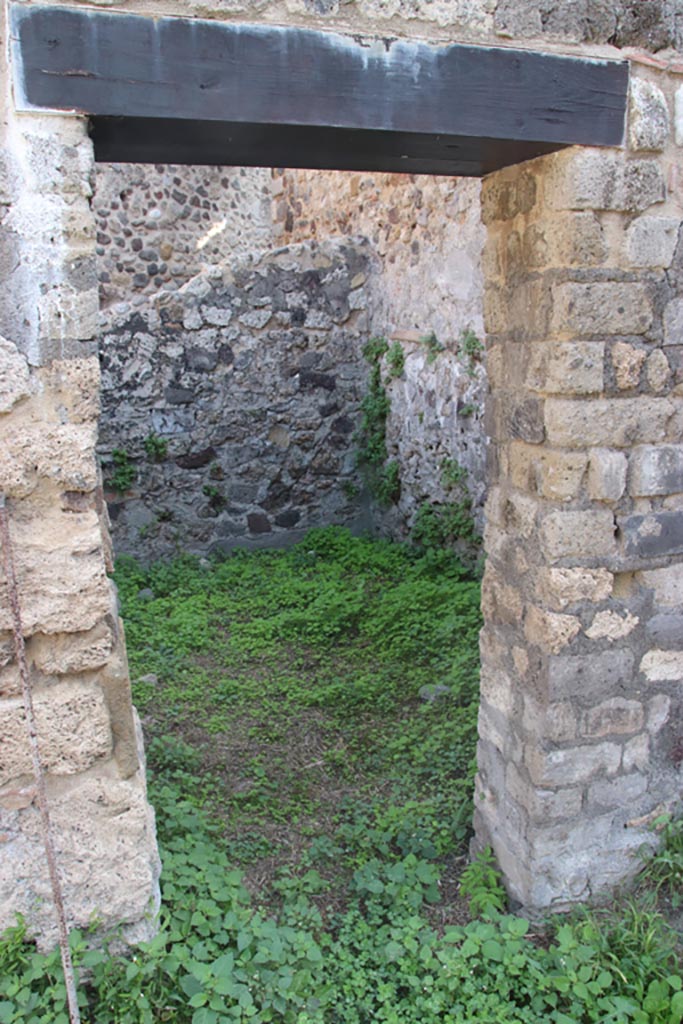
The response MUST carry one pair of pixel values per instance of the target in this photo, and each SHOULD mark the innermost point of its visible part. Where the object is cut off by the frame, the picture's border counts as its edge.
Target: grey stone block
(652, 536)
(589, 676)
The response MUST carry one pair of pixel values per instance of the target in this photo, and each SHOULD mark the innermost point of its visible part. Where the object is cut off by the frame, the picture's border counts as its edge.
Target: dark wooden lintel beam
(304, 88)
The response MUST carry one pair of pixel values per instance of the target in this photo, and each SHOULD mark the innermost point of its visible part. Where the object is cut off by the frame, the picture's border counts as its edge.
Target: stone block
(15, 381)
(73, 731)
(590, 677)
(614, 717)
(678, 116)
(555, 722)
(658, 371)
(598, 179)
(658, 713)
(662, 666)
(673, 323)
(510, 416)
(555, 475)
(604, 307)
(573, 766)
(656, 470)
(568, 368)
(666, 629)
(651, 241)
(500, 602)
(542, 804)
(658, 535)
(60, 569)
(116, 884)
(68, 653)
(648, 116)
(504, 198)
(35, 450)
(606, 474)
(497, 689)
(636, 753)
(492, 726)
(578, 534)
(625, 790)
(75, 387)
(561, 587)
(550, 631)
(516, 513)
(602, 855)
(627, 361)
(578, 240)
(608, 423)
(609, 625)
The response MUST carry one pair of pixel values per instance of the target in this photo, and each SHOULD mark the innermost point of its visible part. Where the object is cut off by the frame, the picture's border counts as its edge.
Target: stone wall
(582, 650)
(49, 402)
(158, 226)
(581, 721)
(428, 234)
(426, 282)
(236, 400)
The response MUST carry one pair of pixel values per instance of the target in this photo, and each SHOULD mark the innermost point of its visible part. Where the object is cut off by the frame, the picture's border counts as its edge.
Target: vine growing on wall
(380, 474)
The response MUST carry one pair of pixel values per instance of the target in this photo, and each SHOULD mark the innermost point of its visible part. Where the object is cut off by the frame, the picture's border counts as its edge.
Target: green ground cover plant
(310, 718)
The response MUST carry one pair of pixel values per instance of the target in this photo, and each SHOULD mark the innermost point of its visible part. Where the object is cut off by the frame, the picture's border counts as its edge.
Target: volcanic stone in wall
(229, 407)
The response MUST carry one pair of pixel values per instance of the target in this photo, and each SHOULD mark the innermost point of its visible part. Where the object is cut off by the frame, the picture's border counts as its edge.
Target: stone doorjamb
(582, 650)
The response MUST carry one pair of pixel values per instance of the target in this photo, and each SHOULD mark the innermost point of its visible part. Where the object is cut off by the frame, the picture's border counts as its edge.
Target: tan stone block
(15, 382)
(489, 726)
(617, 422)
(606, 474)
(607, 307)
(500, 602)
(609, 625)
(514, 512)
(561, 587)
(550, 630)
(568, 239)
(555, 475)
(598, 179)
(520, 659)
(617, 716)
(73, 731)
(627, 361)
(75, 384)
(578, 534)
(578, 240)
(566, 368)
(63, 586)
(65, 454)
(116, 884)
(504, 198)
(667, 584)
(662, 666)
(497, 689)
(658, 371)
(71, 652)
(573, 766)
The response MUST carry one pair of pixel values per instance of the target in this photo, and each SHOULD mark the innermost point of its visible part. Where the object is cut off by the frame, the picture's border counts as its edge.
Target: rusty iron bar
(38, 771)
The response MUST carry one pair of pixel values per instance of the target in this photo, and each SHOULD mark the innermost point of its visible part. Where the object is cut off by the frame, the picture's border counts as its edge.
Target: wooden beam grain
(299, 86)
